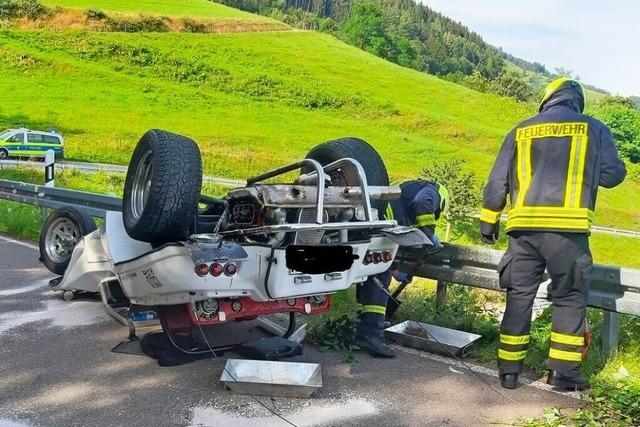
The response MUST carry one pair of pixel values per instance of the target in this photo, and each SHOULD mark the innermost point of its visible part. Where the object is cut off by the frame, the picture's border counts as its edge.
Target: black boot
(509, 381)
(374, 345)
(369, 336)
(562, 382)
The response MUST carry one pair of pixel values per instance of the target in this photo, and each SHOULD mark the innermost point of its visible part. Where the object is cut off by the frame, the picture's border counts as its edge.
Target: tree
(513, 84)
(624, 123)
(365, 28)
(464, 190)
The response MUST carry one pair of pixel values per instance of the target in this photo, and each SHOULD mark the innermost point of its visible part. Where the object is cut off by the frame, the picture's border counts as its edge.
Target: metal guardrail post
(610, 333)
(441, 294)
(49, 176)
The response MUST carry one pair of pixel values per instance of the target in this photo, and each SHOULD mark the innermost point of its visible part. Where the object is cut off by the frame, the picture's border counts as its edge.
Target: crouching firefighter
(550, 166)
(421, 203)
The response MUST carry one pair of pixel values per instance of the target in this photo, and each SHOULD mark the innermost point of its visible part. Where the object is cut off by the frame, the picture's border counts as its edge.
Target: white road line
(481, 370)
(19, 242)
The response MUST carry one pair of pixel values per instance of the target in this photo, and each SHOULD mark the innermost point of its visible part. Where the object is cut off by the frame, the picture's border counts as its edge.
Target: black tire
(162, 188)
(361, 151)
(61, 232)
(4, 154)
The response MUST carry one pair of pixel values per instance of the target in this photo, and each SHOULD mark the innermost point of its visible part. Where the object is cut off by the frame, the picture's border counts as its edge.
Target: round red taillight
(230, 269)
(377, 258)
(202, 269)
(367, 259)
(387, 256)
(216, 269)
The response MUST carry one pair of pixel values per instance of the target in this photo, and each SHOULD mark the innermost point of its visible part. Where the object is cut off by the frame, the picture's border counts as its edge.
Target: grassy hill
(251, 100)
(191, 8)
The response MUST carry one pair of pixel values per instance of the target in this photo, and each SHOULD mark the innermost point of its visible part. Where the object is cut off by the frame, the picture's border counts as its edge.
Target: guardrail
(614, 289)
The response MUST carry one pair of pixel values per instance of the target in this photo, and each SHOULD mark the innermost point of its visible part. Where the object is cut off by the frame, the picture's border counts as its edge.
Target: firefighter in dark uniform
(550, 166)
(421, 204)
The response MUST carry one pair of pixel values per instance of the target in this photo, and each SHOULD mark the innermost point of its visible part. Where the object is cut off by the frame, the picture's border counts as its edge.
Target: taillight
(377, 258)
(367, 259)
(215, 269)
(202, 269)
(230, 269)
(387, 256)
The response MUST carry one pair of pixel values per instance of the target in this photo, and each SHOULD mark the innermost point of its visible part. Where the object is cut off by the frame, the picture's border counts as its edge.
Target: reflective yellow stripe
(487, 215)
(548, 223)
(524, 170)
(389, 212)
(444, 198)
(582, 155)
(553, 130)
(567, 339)
(551, 211)
(514, 339)
(511, 355)
(378, 309)
(565, 356)
(425, 220)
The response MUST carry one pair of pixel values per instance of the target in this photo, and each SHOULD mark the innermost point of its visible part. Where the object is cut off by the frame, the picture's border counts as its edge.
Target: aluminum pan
(457, 342)
(268, 378)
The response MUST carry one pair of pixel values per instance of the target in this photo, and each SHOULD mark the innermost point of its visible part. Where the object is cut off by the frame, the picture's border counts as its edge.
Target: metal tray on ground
(267, 378)
(458, 342)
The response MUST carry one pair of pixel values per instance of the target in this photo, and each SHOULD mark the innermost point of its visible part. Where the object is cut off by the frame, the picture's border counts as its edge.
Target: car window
(4, 134)
(18, 137)
(34, 137)
(49, 139)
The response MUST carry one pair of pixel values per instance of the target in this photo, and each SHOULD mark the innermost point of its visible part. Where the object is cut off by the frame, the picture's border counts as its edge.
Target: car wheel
(61, 232)
(4, 154)
(162, 188)
(359, 150)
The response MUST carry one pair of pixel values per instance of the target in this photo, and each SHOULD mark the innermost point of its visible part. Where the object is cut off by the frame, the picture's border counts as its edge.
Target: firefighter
(550, 166)
(421, 203)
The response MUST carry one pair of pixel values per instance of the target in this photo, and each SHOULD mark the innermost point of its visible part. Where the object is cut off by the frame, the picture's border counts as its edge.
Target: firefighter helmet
(572, 91)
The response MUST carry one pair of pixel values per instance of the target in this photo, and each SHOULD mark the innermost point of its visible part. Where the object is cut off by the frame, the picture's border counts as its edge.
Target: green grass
(192, 8)
(252, 101)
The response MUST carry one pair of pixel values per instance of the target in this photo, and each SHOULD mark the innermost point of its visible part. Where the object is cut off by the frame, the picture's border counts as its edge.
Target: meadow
(253, 101)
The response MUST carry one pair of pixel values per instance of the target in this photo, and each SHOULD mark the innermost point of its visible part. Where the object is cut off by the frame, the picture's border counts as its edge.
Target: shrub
(464, 189)
(8, 9)
(32, 9)
(96, 14)
(192, 26)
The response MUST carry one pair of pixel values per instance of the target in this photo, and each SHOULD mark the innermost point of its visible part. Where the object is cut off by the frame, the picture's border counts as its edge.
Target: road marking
(482, 370)
(19, 242)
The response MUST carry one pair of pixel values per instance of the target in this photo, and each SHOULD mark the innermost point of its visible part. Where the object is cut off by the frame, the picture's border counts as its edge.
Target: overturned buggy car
(265, 248)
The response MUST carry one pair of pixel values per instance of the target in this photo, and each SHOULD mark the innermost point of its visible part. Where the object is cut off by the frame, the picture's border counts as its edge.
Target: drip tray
(436, 339)
(267, 378)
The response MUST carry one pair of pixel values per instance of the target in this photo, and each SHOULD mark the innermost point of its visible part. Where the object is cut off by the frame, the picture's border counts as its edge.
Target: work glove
(489, 232)
(401, 276)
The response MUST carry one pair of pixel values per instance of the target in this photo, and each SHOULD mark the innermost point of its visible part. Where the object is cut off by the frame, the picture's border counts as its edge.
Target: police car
(30, 143)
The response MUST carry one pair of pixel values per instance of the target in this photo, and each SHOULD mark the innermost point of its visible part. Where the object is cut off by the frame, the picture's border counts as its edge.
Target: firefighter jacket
(550, 166)
(421, 204)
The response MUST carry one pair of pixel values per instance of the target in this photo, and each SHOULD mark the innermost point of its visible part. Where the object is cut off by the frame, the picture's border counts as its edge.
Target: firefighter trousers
(374, 304)
(567, 258)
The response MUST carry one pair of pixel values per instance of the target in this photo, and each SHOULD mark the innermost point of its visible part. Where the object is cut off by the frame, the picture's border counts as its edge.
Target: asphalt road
(57, 369)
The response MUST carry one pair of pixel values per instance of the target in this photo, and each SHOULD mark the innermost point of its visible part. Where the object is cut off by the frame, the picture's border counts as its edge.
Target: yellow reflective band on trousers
(559, 338)
(425, 220)
(514, 339)
(512, 356)
(377, 309)
(487, 215)
(565, 356)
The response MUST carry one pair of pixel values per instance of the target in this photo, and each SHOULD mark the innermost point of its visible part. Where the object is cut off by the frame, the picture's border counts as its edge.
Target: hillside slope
(252, 101)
